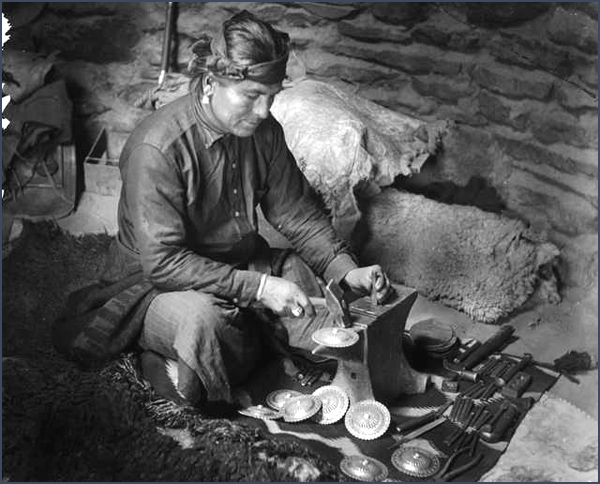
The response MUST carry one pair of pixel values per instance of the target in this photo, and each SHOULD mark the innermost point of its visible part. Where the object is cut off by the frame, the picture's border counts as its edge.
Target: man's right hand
(285, 298)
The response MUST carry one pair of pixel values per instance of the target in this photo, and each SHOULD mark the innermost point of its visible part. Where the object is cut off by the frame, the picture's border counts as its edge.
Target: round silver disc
(335, 337)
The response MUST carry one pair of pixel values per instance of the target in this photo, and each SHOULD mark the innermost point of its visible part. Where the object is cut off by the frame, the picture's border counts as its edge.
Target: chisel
(400, 439)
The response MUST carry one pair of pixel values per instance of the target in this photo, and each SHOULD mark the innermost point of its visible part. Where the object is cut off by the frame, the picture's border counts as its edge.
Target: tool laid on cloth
(497, 428)
(424, 419)
(375, 367)
(462, 370)
(469, 449)
(402, 439)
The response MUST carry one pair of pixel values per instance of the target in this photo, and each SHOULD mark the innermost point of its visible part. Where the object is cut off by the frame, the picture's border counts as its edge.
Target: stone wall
(519, 79)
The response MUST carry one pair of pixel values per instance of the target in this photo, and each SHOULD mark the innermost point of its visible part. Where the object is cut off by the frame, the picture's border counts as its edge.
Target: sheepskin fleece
(345, 143)
(483, 264)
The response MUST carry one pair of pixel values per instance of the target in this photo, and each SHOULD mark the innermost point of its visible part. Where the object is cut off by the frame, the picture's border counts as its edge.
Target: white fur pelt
(481, 263)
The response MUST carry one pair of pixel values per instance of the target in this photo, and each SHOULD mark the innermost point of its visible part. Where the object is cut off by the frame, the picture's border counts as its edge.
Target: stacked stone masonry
(519, 79)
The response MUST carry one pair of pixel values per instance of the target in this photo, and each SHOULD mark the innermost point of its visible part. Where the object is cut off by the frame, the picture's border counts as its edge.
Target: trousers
(219, 344)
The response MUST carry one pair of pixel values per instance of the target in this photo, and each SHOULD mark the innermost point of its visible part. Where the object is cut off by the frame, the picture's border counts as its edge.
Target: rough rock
(514, 82)
(548, 206)
(504, 14)
(575, 161)
(448, 32)
(87, 38)
(415, 59)
(330, 10)
(574, 28)
(405, 14)
(500, 111)
(366, 27)
(531, 53)
(552, 125)
(438, 87)
(477, 262)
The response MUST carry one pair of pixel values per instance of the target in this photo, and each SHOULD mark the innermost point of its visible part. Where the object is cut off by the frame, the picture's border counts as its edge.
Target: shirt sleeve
(294, 209)
(156, 198)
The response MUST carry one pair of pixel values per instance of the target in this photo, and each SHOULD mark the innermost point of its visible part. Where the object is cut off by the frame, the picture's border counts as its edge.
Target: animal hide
(481, 263)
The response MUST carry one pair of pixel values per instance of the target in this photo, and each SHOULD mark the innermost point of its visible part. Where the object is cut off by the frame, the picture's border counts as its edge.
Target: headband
(217, 62)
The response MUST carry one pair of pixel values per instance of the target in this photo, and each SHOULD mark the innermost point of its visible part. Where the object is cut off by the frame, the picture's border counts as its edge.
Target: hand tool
(516, 386)
(420, 421)
(374, 289)
(489, 366)
(495, 432)
(468, 350)
(445, 475)
(335, 303)
(552, 367)
(401, 439)
(521, 365)
(500, 368)
(166, 48)
(493, 343)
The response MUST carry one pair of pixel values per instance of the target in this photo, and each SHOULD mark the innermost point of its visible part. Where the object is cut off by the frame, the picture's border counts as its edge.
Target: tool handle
(317, 301)
(424, 419)
(489, 346)
(504, 422)
(504, 379)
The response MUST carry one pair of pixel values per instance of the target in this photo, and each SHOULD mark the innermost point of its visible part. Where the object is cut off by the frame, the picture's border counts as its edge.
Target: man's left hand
(361, 281)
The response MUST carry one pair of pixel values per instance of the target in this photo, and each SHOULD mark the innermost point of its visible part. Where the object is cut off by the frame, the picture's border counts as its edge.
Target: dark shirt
(189, 197)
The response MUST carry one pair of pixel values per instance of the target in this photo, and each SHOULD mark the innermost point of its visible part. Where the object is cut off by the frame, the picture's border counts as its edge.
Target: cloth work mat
(333, 442)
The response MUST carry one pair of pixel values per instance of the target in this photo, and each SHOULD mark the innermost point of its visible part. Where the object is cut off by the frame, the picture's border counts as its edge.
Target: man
(193, 174)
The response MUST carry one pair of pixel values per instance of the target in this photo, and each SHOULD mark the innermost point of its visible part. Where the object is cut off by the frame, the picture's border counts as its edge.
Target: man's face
(240, 106)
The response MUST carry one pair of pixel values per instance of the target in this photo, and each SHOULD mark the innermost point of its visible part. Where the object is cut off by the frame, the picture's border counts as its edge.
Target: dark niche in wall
(477, 193)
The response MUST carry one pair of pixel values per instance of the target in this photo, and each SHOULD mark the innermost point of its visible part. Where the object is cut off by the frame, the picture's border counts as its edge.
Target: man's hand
(285, 298)
(362, 279)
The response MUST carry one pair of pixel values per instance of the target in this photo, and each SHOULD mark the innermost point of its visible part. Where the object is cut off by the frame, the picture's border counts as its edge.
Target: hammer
(335, 304)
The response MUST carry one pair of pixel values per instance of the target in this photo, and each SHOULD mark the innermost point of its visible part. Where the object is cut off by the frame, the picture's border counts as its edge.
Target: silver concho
(334, 404)
(260, 411)
(335, 337)
(367, 420)
(278, 398)
(415, 461)
(363, 468)
(300, 408)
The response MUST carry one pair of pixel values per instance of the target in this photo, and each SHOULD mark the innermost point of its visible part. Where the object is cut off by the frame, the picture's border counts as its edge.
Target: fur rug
(480, 263)
(64, 423)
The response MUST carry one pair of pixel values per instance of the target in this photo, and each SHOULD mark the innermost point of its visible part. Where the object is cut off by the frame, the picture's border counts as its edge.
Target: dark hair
(243, 40)
(249, 40)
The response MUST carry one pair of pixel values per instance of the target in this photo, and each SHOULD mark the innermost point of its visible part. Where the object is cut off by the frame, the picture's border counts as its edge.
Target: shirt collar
(205, 120)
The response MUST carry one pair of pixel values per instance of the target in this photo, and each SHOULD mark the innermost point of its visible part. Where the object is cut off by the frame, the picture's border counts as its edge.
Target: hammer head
(337, 306)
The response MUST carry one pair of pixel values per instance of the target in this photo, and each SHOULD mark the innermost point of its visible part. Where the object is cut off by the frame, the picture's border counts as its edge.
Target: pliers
(445, 475)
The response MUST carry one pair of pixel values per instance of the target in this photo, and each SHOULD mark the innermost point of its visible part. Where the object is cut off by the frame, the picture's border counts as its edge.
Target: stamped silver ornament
(335, 337)
(278, 398)
(334, 404)
(415, 461)
(300, 408)
(364, 468)
(260, 411)
(367, 420)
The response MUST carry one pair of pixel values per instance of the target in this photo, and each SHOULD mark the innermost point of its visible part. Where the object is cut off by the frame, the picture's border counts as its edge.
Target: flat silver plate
(335, 337)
